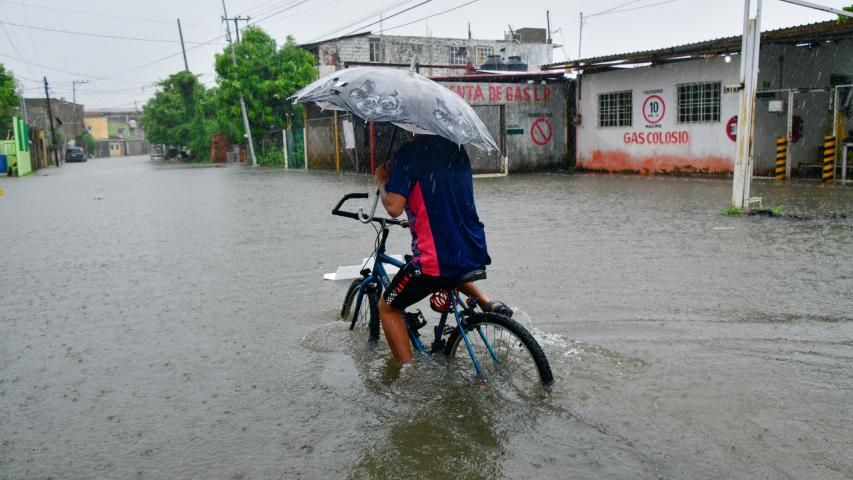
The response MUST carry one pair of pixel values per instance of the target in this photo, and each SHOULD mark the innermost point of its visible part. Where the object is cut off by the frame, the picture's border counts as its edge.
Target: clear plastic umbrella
(402, 97)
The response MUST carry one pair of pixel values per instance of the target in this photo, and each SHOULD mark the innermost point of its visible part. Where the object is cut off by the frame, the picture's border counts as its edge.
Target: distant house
(524, 49)
(118, 130)
(67, 116)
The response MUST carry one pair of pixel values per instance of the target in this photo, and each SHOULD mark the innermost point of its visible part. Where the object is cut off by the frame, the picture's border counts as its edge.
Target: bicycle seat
(472, 276)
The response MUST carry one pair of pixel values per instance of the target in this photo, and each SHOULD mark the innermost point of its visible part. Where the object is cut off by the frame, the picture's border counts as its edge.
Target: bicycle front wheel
(505, 351)
(368, 312)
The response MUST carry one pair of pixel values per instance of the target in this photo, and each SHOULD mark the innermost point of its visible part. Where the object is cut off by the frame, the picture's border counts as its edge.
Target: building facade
(676, 110)
(67, 117)
(435, 55)
(534, 112)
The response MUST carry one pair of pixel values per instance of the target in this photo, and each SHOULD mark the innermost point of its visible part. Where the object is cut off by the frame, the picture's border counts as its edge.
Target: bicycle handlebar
(355, 216)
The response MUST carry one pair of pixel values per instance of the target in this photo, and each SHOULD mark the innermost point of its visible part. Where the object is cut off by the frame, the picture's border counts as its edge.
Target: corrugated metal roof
(813, 32)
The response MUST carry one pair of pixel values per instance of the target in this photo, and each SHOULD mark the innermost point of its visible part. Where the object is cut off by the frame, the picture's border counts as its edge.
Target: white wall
(665, 146)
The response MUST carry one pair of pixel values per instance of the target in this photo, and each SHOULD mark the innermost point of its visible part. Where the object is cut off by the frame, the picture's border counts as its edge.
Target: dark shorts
(410, 286)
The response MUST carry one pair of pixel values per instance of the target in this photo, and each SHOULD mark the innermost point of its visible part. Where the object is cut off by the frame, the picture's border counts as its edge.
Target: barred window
(458, 55)
(615, 109)
(375, 53)
(482, 53)
(699, 102)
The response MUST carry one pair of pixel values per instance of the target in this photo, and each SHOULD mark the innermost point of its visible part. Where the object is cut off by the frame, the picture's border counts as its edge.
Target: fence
(803, 117)
(295, 148)
(490, 163)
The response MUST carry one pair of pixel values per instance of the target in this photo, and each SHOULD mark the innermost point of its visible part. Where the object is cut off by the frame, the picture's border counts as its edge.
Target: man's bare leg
(472, 291)
(395, 331)
(484, 301)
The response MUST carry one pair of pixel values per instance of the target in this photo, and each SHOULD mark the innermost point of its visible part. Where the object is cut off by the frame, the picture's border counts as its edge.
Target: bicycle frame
(379, 276)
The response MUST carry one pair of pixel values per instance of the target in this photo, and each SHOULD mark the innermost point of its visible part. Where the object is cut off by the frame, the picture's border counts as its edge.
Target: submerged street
(172, 321)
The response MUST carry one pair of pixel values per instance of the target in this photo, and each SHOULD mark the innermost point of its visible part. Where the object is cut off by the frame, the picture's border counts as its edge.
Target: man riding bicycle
(431, 181)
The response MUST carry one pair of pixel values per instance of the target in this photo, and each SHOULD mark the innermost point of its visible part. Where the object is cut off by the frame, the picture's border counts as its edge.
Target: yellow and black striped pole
(781, 154)
(828, 158)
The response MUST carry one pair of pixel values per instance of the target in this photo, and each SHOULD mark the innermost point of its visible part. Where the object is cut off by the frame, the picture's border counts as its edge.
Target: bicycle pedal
(415, 321)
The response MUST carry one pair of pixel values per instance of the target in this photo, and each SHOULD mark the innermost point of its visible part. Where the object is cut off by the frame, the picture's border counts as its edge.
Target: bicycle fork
(455, 302)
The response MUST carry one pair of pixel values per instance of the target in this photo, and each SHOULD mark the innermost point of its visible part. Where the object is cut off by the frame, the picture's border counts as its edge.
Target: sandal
(499, 308)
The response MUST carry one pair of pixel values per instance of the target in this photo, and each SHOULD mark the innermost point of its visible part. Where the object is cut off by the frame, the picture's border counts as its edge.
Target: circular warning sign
(540, 132)
(731, 129)
(654, 109)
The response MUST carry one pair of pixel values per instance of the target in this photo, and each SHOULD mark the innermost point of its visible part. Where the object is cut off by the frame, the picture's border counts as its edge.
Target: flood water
(172, 322)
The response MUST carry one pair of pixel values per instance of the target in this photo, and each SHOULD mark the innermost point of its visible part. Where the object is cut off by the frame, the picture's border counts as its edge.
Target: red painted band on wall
(617, 161)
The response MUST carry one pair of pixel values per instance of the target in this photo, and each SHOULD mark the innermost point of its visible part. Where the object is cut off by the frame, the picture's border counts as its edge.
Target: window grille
(615, 109)
(482, 53)
(375, 52)
(458, 55)
(699, 102)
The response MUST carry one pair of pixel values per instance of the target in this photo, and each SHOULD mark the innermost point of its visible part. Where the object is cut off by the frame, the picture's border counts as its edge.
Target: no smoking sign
(654, 109)
(540, 131)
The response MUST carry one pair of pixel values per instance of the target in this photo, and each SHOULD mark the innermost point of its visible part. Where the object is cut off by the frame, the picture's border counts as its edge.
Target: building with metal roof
(674, 110)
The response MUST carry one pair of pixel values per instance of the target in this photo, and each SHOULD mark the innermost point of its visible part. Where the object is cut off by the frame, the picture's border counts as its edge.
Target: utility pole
(52, 130)
(246, 126)
(750, 45)
(548, 26)
(580, 35)
(183, 49)
(74, 84)
(237, 27)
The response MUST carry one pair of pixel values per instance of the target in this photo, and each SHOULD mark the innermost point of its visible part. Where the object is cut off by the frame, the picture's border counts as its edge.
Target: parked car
(75, 154)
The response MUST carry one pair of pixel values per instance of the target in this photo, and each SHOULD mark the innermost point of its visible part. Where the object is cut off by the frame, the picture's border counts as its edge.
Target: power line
(12, 43)
(43, 66)
(94, 14)
(433, 15)
(87, 34)
(609, 10)
(365, 18)
(619, 9)
(389, 16)
(643, 6)
(284, 9)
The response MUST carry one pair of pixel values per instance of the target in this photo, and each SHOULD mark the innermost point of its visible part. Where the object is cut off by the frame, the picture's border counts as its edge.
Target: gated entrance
(490, 163)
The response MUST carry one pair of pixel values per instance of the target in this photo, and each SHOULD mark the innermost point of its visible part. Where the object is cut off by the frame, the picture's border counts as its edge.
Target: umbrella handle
(369, 218)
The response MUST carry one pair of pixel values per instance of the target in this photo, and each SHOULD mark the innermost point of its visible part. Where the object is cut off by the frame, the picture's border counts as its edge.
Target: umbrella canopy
(404, 98)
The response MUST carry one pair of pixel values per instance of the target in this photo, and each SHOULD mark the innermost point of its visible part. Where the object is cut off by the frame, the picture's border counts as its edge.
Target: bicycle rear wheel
(506, 352)
(368, 312)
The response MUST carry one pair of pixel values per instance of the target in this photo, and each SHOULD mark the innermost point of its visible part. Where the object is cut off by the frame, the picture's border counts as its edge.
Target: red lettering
(518, 95)
(492, 95)
(626, 137)
(478, 94)
(498, 92)
(642, 138)
(535, 94)
(468, 89)
(546, 93)
(508, 94)
(527, 94)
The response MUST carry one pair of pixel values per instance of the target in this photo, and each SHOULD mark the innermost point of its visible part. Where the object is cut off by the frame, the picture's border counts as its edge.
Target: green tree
(175, 115)
(9, 101)
(266, 75)
(88, 142)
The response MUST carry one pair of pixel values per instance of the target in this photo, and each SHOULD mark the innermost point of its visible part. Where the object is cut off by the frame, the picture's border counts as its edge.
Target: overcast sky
(122, 71)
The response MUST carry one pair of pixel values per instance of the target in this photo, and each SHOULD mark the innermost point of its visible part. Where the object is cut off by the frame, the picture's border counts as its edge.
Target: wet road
(172, 322)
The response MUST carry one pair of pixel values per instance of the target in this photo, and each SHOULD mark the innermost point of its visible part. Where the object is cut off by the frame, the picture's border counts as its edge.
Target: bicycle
(499, 347)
